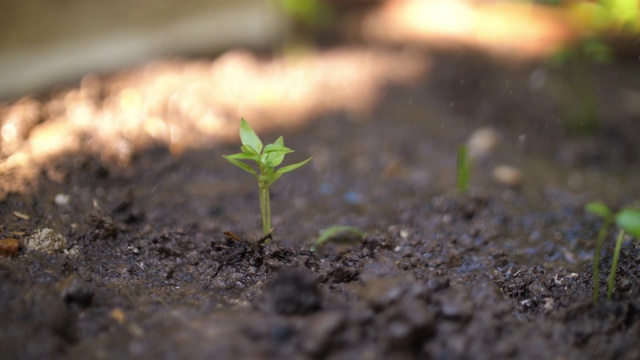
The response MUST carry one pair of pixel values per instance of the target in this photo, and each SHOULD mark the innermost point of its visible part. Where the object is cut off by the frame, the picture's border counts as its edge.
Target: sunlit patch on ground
(509, 29)
(187, 104)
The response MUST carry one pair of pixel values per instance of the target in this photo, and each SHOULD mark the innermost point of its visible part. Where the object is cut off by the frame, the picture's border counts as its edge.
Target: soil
(503, 271)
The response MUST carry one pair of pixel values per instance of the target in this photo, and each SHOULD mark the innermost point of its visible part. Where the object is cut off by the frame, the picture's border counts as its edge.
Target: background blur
(44, 43)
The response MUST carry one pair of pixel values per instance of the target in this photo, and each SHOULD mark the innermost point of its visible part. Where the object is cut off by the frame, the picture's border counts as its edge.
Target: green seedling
(628, 220)
(267, 158)
(338, 234)
(463, 169)
(603, 211)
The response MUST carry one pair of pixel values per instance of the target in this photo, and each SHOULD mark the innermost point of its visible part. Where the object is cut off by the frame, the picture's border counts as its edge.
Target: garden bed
(503, 271)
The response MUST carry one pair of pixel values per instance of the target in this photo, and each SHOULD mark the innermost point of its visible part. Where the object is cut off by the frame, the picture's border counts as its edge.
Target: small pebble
(9, 247)
(21, 215)
(482, 142)
(118, 315)
(46, 240)
(549, 304)
(62, 199)
(507, 175)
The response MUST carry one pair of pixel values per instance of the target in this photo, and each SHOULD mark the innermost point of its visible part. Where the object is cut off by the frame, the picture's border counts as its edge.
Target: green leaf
(279, 141)
(234, 160)
(629, 221)
(251, 153)
(274, 158)
(240, 156)
(274, 153)
(249, 137)
(338, 234)
(599, 209)
(286, 169)
(277, 146)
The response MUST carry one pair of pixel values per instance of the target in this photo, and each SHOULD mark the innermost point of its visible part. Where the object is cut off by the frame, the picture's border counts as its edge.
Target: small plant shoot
(266, 157)
(463, 169)
(600, 209)
(628, 220)
(338, 234)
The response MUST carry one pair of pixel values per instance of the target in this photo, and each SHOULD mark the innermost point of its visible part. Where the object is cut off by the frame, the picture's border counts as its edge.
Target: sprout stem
(265, 210)
(614, 264)
(602, 234)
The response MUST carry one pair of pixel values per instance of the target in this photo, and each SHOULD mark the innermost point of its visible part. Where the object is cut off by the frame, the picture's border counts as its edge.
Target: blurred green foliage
(601, 15)
(575, 90)
(311, 13)
(588, 49)
(596, 20)
(612, 15)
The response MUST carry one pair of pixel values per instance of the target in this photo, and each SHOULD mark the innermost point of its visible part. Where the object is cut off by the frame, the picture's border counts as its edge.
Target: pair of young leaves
(266, 157)
(627, 219)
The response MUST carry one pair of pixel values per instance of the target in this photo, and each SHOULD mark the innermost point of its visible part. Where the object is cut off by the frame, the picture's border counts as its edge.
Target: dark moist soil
(500, 272)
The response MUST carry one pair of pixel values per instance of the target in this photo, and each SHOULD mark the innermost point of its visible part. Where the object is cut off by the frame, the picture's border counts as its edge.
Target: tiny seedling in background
(463, 169)
(628, 220)
(267, 158)
(603, 211)
(338, 234)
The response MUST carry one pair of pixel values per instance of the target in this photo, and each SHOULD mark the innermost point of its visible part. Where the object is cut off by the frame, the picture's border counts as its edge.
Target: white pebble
(62, 199)
(507, 175)
(46, 240)
(482, 142)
